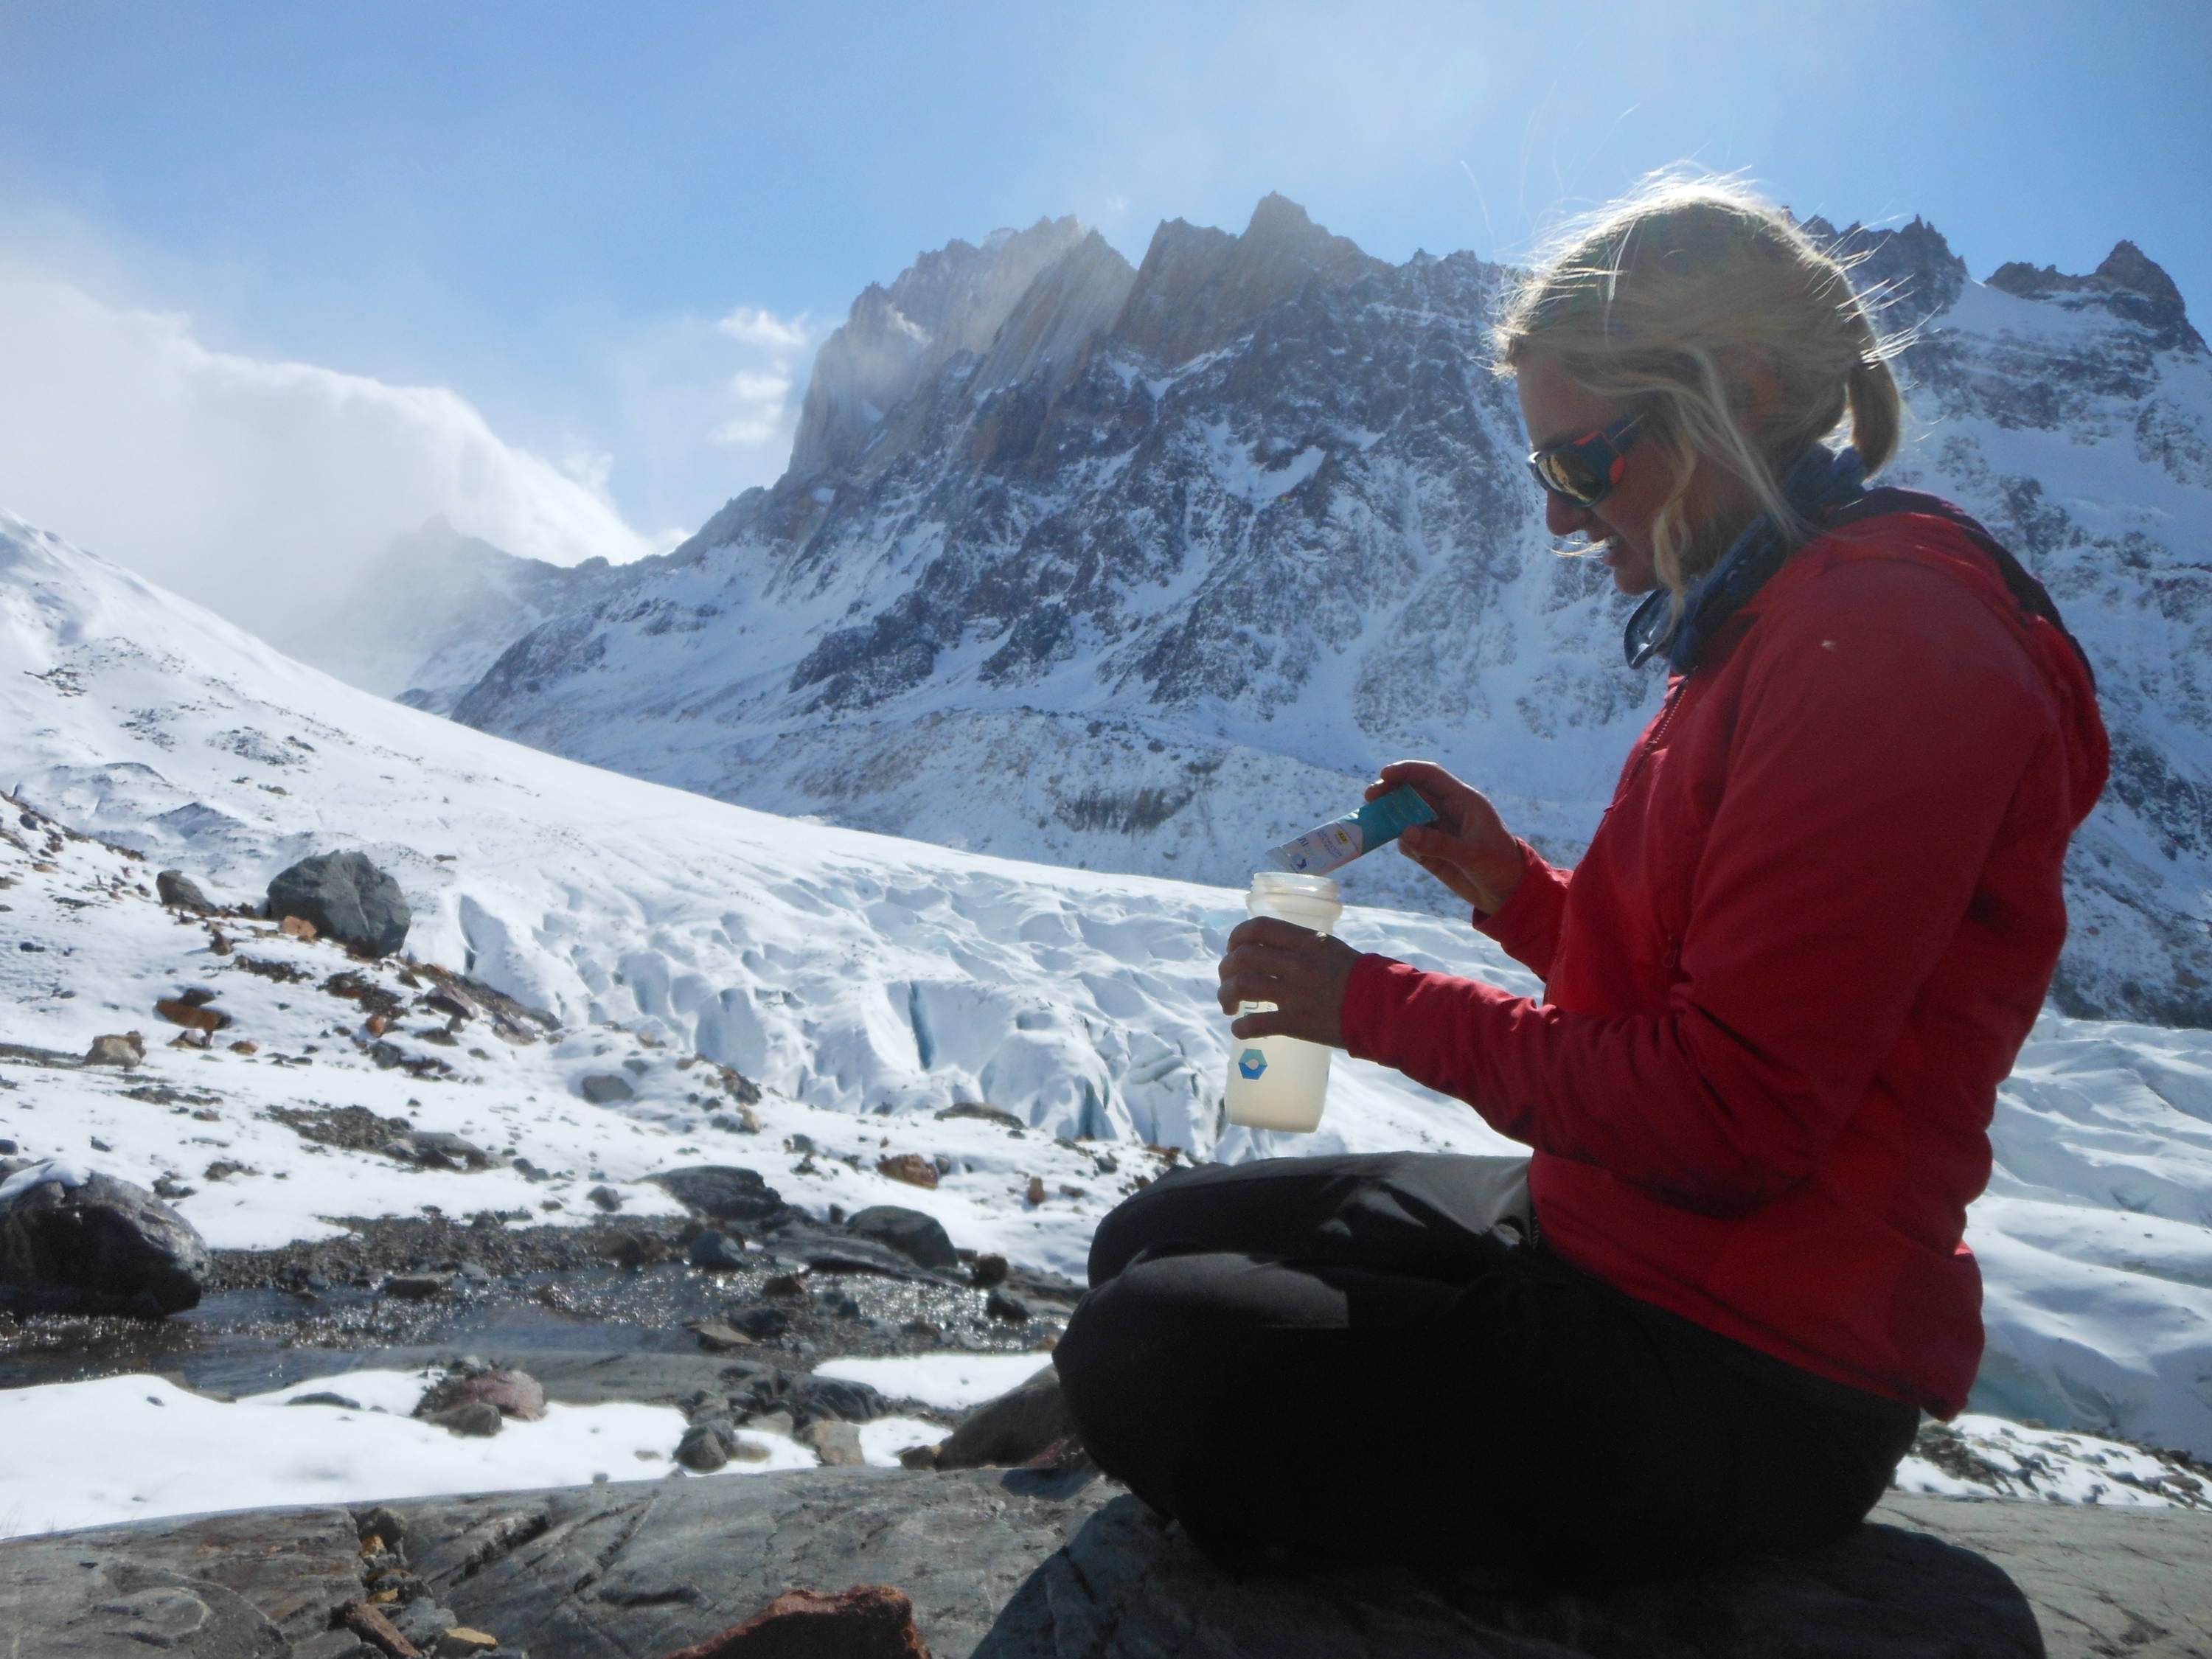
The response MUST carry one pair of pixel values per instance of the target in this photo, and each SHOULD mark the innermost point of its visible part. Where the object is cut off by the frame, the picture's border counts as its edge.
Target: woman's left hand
(1305, 973)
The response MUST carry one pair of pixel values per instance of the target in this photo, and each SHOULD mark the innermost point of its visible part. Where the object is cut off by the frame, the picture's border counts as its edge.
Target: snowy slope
(1180, 592)
(867, 982)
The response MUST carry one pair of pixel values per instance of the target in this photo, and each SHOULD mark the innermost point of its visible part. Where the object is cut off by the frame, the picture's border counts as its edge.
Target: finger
(1277, 1023)
(1269, 930)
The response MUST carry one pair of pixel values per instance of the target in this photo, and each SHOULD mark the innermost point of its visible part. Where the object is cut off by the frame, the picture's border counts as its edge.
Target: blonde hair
(1694, 303)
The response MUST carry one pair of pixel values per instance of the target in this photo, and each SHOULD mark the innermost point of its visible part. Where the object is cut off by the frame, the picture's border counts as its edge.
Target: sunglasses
(1585, 470)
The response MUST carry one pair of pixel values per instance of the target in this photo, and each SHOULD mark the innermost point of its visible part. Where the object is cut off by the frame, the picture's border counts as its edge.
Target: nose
(1562, 516)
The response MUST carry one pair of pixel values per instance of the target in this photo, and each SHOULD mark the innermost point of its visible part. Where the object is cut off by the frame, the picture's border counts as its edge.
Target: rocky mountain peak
(2127, 284)
(1199, 287)
(1908, 271)
(949, 301)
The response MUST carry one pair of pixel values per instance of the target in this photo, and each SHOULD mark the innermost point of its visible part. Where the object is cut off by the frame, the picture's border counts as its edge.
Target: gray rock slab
(1016, 1566)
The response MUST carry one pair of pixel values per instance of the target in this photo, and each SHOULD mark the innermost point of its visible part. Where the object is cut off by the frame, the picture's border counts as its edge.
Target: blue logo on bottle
(1251, 1063)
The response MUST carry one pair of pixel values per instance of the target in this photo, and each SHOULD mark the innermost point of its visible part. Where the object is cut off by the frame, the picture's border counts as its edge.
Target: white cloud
(710, 407)
(751, 325)
(257, 487)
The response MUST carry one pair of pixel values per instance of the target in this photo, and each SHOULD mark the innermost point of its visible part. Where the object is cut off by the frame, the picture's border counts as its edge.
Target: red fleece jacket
(1803, 949)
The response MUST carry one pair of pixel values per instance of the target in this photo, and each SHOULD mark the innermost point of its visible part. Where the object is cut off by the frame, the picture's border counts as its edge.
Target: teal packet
(1329, 846)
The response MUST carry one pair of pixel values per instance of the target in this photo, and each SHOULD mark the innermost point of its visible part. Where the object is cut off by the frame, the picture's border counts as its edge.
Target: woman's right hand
(1468, 847)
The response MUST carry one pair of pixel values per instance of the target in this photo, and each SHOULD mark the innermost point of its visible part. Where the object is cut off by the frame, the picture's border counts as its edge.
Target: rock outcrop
(1016, 1566)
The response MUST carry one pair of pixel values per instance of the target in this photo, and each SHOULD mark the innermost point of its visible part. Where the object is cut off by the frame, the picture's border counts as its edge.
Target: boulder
(912, 1167)
(838, 1443)
(604, 1088)
(180, 892)
(74, 1241)
(346, 897)
(126, 1048)
(722, 1191)
(1009, 1430)
(716, 1251)
(909, 1232)
(515, 1393)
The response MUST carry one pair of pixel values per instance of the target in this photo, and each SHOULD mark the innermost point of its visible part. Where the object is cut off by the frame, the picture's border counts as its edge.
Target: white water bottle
(1279, 1082)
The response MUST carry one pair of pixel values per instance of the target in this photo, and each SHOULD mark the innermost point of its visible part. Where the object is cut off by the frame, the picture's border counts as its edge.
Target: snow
(132, 1448)
(1990, 1457)
(867, 984)
(949, 1382)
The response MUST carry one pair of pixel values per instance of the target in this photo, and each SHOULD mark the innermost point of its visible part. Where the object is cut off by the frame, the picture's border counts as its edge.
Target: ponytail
(1877, 411)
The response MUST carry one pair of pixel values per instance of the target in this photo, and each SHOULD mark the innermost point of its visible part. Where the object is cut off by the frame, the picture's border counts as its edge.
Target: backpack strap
(2033, 597)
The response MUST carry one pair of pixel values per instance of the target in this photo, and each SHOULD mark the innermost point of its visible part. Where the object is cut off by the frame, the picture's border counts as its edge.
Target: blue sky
(545, 208)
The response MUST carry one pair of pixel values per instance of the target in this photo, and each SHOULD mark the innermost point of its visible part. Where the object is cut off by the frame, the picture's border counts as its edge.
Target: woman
(1782, 986)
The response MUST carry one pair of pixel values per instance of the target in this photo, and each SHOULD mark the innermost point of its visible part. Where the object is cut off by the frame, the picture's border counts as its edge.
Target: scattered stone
(837, 1444)
(368, 1623)
(435, 1149)
(912, 1167)
(462, 1642)
(325, 1397)
(166, 1186)
(1008, 1432)
(988, 1269)
(475, 1418)
(604, 1088)
(71, 1241)
(192, 1012)
(346, 897)
(870, 1621)
(704, 1448)
(784, 1284)
(1036, 1191)
(722, 1192)
(189, 1040)
(920, 1457)
(909, 1232)
(1003, 1305)
(634, 1250)
(716, 1251)
(513, 1393)
(297, 928)
(246, 1046)
(180, 892)
(606, 1198)
(417, 1287)
(447, 1000)
(422, 1621)
(999, 1115)
(126, 1049)
(761, 1323)
(223, 1167)
(737, 1120)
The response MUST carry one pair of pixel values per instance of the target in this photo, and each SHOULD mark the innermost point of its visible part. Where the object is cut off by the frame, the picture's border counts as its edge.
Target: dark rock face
(1012, 1566)
(346, 898)
(869, 1622)
(722, 1191)
(98, 1245)
(909, 1232)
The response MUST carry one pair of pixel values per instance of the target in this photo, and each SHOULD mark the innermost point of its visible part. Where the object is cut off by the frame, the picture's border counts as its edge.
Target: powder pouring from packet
(1330, 846)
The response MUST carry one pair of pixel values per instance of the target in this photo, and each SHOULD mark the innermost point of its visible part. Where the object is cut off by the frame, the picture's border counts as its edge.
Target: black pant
(1316, 1358)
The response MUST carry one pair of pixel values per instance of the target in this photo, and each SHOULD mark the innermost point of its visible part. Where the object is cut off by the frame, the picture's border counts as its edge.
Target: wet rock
(761, 1322)
(988, 1269)
(716, 1251)
(126, 1049)
(912, 1167)
(1002, 1305)
(73, 1240)
(909, 1232)
(722, 1192)
(346, 897)
(1011, 1430)
(180, 892)
(476, 1417)
(417, 1287)
(838, 1443)
(605, 1088)
(514, 1392)
(869, 1622)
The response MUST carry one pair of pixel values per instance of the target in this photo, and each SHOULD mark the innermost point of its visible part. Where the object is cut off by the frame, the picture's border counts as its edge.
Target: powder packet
(1326, 847)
